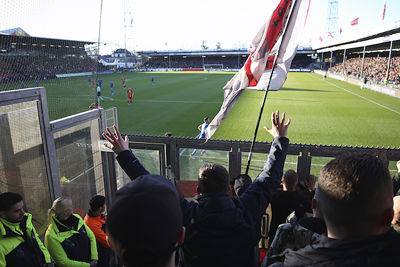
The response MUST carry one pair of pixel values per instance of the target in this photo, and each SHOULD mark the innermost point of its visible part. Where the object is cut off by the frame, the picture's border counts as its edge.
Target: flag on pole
(354, 21)
(330, 34)
(384, 11)
(267, 44)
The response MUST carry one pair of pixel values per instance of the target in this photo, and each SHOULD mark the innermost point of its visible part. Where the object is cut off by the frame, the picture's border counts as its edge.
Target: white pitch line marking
(367, 99)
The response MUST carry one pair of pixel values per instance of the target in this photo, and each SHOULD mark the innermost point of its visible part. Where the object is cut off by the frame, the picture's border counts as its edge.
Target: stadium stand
(23, 57)
(374, 56)
(215, 59)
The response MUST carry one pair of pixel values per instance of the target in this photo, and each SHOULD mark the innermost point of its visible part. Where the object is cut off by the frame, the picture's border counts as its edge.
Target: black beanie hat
(146, 216)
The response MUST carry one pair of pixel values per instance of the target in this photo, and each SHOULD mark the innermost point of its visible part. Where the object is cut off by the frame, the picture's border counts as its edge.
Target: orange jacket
(97, 225)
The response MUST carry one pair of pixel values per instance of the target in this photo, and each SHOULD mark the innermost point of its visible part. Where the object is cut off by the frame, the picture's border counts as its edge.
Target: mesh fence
(56, 44)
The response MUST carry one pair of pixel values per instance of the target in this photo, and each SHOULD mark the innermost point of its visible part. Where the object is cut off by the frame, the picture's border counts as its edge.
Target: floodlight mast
(126, 26)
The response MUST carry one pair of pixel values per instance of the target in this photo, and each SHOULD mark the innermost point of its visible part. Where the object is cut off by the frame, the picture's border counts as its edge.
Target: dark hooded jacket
(378, 250)
(221, 231)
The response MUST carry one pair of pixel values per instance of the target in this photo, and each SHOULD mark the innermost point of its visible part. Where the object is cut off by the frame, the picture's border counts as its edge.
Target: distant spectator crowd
(197, 62)
(23, 68)
(374, 69)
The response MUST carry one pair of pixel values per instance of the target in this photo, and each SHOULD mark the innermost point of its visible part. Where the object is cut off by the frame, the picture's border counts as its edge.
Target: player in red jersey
(130, 95)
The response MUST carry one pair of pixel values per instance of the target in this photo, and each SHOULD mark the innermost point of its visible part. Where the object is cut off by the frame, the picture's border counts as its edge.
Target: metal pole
(126, 64)
(362, 64)
(344, 59)
(266, 91)
(98, 52)
(322, 59)
(389, 60)
(330, 63)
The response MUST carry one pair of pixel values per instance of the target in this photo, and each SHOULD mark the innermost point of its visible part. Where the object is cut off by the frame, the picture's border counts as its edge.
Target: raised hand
(279, 127)
(117, 143)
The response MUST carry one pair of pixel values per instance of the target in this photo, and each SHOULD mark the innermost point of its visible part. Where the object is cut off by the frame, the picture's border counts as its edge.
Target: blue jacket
(221, 231)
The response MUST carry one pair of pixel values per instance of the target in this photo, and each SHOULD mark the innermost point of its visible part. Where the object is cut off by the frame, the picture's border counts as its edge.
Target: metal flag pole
(266, 91)
(98, 52)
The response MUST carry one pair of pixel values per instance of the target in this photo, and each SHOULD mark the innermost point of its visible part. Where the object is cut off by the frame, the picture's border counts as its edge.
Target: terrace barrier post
(235, 162)
(303, 165)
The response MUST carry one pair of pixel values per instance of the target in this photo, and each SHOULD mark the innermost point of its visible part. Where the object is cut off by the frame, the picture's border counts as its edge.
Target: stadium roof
(15, 31)
(17, 38)
(375, 37)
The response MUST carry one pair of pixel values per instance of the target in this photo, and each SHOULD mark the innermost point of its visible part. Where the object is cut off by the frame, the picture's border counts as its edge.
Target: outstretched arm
(258, 195)
(126, 158)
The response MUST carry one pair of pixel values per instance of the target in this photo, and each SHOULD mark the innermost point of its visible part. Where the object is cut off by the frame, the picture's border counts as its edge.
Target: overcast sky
(179, 24)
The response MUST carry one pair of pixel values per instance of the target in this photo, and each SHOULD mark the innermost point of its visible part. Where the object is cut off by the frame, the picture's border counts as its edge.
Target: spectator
(396, 180)
(221, 231)
(96, 221)
(396, 217)
(20, 245)
(306, 187)
(68, 239)
(144, 223)
(355, 197)
(286, 201)
(295, 235)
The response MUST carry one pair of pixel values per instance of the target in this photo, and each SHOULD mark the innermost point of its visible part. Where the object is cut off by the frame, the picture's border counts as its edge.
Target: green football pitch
(323, 112)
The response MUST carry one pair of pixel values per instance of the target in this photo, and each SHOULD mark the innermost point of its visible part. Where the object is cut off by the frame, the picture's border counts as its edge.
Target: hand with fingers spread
(279, 127)
(117, 143)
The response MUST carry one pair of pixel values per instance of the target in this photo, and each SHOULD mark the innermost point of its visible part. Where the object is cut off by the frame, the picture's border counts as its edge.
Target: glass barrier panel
(190, 161)
(150, 160)
(22, 163)
(79, 163)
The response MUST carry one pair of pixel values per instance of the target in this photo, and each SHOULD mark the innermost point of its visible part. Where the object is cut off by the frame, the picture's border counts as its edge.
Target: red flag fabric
(266, 45)
(384, 11)
(320, 39)
(354, 21)
(330, 34)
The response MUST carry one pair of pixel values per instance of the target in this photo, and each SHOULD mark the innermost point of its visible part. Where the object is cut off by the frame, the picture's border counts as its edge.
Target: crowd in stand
(225, 62)
(228, 62)
(374, 68)
(23, 68)
(349, 219)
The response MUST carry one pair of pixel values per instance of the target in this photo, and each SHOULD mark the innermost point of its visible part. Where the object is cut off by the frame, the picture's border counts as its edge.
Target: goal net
(212, 67)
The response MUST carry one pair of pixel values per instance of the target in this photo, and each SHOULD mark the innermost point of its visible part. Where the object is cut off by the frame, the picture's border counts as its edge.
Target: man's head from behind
(213, 178)
(144, 224)
(97, 202)
(355, 196)
(11, 207)
(207, 120)
(290, 179)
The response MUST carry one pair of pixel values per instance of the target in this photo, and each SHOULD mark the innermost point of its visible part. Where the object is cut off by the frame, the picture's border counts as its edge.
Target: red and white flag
(268, 43)
(384, 11)
(354, 21)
